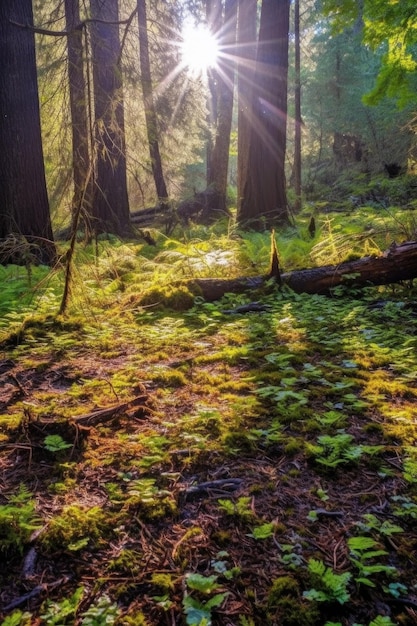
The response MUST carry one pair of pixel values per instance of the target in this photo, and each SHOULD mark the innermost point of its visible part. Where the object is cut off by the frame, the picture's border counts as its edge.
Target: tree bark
(398, 263)
(110, 199)
(24, 206)
(78, 106)
(297, 106)
(150, 112)
(264, 202)
(246, 57)
(219, 162)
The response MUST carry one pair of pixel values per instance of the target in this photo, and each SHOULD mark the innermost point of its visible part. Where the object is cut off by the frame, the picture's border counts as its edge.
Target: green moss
(293, 446)
(177, 298)
(76, 527)
(239, 441)
(136, 618)
(286, 607)
(128, 563)
(283, 586)
(168, 377)
(163, 581)
(373, 427)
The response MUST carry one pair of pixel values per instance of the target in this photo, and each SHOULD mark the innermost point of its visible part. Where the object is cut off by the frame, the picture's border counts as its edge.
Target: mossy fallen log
(398, 263)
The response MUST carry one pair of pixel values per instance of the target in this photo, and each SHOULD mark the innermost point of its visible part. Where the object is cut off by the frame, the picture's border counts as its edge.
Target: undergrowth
(166, 461)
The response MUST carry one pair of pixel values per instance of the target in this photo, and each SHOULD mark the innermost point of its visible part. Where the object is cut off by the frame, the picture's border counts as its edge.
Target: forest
(208, 313)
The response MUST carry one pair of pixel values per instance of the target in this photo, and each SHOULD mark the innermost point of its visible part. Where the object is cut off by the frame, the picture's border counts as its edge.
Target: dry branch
(105, 415)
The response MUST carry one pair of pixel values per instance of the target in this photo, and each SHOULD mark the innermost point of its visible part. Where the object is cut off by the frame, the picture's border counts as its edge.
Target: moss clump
(128, 563)
(168, 377)
(293, 446)
(77, 527)
(177, 298)
(239, 441)
(286, 607)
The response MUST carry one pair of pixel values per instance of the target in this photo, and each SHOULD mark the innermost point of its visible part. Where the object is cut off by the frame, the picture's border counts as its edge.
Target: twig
(27, 596)
(34, 592)
(104, 415)
(216, 485)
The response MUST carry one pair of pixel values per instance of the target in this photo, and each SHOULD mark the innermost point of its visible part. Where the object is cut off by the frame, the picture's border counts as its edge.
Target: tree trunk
(297, 106)
(78, 106)
(264, 202)
(246, 45)
(396, 264)
(219, 162)
(110, 200)
(150, 113)
(24, 206)
(214, 17)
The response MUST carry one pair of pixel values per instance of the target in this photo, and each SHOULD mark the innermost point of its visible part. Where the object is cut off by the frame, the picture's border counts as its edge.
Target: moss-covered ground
(165, 462)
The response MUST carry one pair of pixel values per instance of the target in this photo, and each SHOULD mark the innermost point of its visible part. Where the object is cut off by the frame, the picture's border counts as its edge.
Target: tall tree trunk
(220, 154)
(246, 55)
(214, 17)
(24, 206)
(297, 105)
(150, 112)
(264, 202)
(79, 115)
(110, 210)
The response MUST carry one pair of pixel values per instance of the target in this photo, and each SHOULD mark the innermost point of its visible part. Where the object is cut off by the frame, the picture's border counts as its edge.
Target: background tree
(246, 58)
(219, 156)
(392, 27)
(342, 130)
(150, 112)
(24, 206)
(110, 211)
(78, 97)
(264, 201)
(297, 108)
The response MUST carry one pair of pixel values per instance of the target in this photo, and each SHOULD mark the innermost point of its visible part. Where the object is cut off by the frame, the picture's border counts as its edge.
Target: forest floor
(212, 467)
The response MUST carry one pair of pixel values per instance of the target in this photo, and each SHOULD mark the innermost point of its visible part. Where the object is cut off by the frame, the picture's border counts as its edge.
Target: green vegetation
(167, 461)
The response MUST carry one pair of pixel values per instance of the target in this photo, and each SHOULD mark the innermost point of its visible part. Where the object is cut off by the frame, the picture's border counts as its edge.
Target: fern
(328, 586)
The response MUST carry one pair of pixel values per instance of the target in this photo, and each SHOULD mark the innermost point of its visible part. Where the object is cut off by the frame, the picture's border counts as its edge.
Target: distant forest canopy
(103, 114)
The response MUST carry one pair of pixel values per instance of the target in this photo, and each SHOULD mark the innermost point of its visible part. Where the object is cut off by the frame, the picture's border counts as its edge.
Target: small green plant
(17, 618)
(103, 613)
(291, 555)
(340, 449)
(55, 443)
(372, 523)
(264, 531)
(197, 611)
(222, 567)
(327, 585)
(152, 501)
(18, 520)
(404, 507)
(364, 551)
(62, 613)
(241, 508)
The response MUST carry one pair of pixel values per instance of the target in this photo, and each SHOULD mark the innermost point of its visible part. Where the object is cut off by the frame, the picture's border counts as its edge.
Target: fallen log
(396, 264)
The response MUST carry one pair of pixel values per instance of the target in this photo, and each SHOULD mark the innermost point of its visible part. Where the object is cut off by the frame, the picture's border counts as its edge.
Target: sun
(199, 49)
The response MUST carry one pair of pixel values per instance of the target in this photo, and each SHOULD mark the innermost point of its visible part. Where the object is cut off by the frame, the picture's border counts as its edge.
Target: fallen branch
(105, 415)
(229, 484)
(396, 264)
